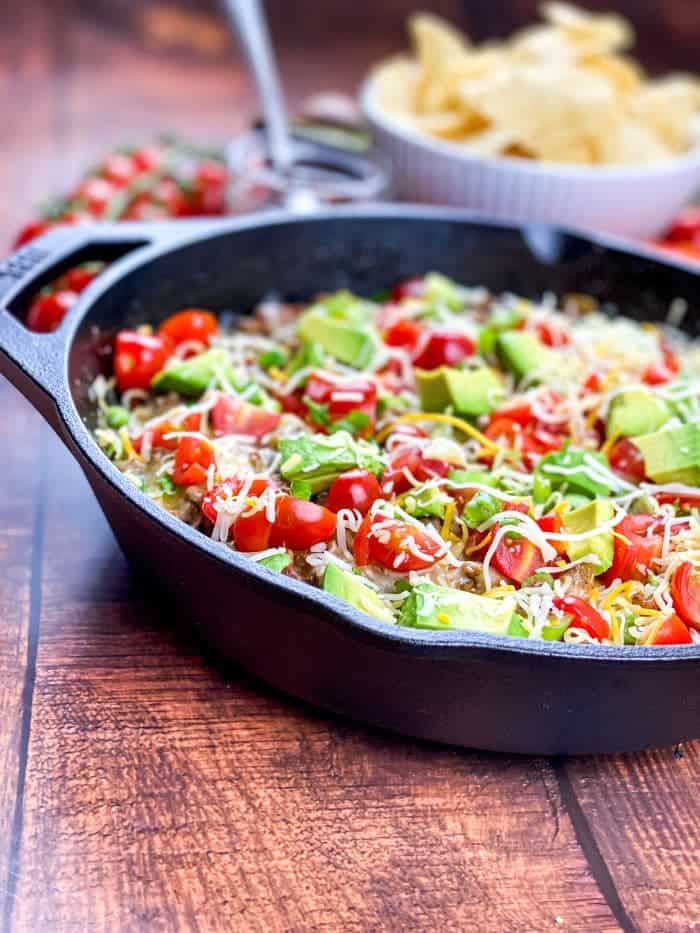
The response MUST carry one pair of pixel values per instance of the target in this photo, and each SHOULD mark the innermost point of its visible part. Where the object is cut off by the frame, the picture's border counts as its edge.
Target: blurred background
(78, 76)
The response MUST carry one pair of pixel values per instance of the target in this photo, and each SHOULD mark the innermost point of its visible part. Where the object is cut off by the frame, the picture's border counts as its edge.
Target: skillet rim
(300, 595)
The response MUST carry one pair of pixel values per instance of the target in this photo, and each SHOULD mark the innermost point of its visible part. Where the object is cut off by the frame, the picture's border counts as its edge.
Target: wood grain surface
(145, 787)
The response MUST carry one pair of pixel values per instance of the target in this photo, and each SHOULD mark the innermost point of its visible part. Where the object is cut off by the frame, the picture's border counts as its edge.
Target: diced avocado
(553, 631)
(523, 353)
(343, 326)
(349, 587)
(586, 518)
(276, 562)
(193, 376)
(636, 412)
(502, 319)
(426, 501)
(440, 607)
(672, 456)
(469, 392)
(319, 459)
(464, 477)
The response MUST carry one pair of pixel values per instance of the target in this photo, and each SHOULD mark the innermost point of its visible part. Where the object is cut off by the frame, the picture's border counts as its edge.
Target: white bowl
(630, 201)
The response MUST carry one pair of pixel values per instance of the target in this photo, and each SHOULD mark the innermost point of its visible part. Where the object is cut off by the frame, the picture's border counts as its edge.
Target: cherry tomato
(503, 429)
(138, 357)
(442, 348)
(685, 227)
(210, 180)
(552, 334)
(411, 288)
(97, 194)
(190, 324)
(47, 311)
(144, 208)
(235, 416)
(638, 542)
(516, 559)
(229, 488)
(627, 460)
(31, 231)
(343, 396)
(552, 523)
(251, 532)
(193, 458)
(685, 592)
(119, 169)
(356, 489)
(147, 158)
(300, 524)
(583, 616)
(170, 195)
(77, 279)
(394, 479)
(672, 631)
(403, 332)
(397, 546)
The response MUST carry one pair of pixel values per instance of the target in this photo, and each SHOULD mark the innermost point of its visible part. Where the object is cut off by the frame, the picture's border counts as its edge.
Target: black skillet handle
(34, 362)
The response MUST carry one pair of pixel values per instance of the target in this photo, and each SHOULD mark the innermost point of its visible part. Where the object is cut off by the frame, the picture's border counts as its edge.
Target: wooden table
(142, 787)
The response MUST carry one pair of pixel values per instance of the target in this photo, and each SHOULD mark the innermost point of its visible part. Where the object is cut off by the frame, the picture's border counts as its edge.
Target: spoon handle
(248, 20)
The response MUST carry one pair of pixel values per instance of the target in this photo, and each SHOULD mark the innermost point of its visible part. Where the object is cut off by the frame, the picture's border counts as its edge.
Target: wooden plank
(642, 810)
(162, 794)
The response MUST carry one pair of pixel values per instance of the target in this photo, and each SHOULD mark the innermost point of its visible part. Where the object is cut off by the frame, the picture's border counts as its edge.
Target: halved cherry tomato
(638, 542)
(516, 559)
(235, 416)
(397, 546)
(31, 231)
(442, 348)
(552, 334)
(553, 523)
(300, 524)
(77, 279)
(343, 396)
(190, 324)
(403, 332)
(411, 288)
(47, 311)
(356, 489)
(627, 460)
(503, 429)
(583, 616)
(685, 592)
(229, 488)
(394, 479)
(252, 530)
(672, 631)
(138, 357)
(193, 458)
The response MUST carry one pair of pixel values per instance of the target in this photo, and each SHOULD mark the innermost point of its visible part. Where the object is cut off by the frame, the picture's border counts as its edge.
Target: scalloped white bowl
(630, 201)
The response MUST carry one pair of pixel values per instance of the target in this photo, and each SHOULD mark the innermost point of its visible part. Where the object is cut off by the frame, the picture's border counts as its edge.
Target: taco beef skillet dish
(439, 457)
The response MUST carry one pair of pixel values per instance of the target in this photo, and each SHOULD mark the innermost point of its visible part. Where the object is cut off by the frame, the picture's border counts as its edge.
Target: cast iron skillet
(469, 689)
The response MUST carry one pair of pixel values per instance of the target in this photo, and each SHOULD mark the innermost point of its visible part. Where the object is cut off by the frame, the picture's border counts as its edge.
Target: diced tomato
(552, 334)
(405, 432)
(96, 193)
(31, 231)
(516, 559)
(503, 429)
(394, 479)
(138, 357)
(235, 416)
(411, 288)
(47, 311)
(593, 382)
(664, 371)
(119, 169)
(627, 460)
(583, 616)
(519, 412)
(147, 158)
(300, 524)
(442, 348)
(403, 332)
(685, 227)
(398, 546)
(356, 489)
(77, 279)
(229, 488)
(672, 631)
(292, 403)
(160, 440)
(343, 396)
(252, 530)
(171, 196)
(552, 523)
(190, 324)
(210, 180)
(193, 458)
(685, 592)
(683, 502)
(638, 542)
